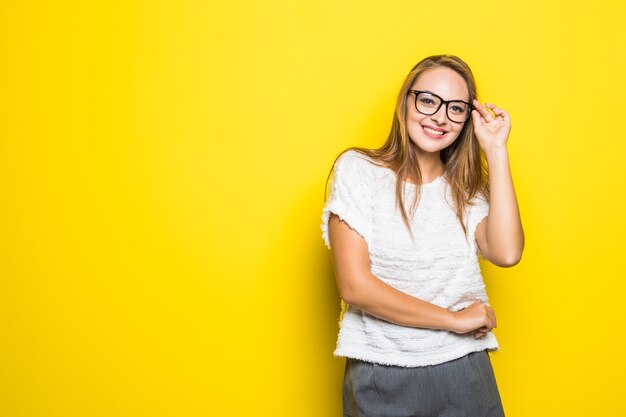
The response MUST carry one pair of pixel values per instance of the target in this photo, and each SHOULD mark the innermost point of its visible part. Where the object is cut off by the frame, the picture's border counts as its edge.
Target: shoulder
(354, 174)
(478, 198)
(352, 157)
(352, 162)
(478, 209)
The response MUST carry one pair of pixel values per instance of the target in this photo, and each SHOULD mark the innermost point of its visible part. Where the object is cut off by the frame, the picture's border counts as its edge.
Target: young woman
(416, 325)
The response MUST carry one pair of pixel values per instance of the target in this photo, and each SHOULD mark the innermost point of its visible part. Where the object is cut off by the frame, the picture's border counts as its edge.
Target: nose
(440, 115)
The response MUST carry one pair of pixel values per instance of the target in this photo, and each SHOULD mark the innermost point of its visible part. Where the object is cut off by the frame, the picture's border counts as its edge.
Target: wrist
(496, 152)
(450, 321)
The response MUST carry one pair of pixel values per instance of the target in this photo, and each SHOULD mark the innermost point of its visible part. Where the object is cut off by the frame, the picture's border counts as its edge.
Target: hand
(478, 318)
(490, 131)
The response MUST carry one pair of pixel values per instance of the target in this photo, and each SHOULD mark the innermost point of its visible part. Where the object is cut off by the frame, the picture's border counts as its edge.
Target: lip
(431, 135)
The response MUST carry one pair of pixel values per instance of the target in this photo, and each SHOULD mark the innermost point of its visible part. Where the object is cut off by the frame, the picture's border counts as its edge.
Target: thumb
(476, 117)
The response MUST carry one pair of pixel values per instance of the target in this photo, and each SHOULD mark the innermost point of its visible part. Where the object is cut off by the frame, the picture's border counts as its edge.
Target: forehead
(443, 81)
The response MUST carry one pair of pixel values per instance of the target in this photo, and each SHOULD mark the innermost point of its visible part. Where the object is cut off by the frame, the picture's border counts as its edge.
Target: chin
(431, 147)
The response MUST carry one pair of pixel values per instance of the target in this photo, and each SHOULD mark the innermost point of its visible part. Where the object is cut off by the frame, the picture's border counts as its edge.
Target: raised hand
(491, 130)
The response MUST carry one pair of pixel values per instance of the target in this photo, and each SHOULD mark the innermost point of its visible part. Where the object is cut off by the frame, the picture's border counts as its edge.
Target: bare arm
(500, 237)
(359, 287)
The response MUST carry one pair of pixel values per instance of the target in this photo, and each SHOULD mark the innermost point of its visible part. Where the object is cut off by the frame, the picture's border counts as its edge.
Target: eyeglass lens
(428, 104)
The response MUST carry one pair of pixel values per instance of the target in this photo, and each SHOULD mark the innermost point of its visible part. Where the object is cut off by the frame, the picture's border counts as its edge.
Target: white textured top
(440, 267)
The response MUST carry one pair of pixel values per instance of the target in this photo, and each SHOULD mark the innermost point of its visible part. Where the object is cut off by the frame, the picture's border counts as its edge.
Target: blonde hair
(464, 162)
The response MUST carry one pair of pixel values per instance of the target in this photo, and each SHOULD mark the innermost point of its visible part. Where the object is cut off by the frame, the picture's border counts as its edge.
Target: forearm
(505, 236)
(379, 299)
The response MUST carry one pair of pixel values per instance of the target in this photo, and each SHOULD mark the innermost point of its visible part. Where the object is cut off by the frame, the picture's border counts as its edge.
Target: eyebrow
(456, 99)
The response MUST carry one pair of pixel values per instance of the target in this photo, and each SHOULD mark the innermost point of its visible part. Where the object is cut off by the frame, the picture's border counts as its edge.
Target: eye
(456, 108)
(426, 100)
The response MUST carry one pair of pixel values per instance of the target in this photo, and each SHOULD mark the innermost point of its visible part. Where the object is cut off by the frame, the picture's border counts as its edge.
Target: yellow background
(162, 175)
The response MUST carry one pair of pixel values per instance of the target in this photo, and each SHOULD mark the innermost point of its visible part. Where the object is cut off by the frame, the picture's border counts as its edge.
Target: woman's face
(435, 132)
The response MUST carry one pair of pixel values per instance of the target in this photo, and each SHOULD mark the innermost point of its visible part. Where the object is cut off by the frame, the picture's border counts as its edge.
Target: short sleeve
(350, 195)
(477, 213)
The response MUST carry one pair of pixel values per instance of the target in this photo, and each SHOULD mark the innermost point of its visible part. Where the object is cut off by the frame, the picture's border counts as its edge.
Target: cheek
(414, 119)
(413, 126)
(456, 129)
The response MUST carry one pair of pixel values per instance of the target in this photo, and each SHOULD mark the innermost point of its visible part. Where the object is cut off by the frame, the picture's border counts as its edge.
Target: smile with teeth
(433, 132)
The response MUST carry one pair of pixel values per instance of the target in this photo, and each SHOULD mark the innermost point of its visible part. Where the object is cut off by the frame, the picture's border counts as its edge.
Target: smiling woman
(417, 330)
(425, 121)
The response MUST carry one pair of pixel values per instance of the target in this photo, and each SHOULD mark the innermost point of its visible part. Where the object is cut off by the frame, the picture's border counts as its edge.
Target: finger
(498, 111)
(479, 334)
(492, 317)
(489, 316)
(495, 321)
(482, 110)
(478, 119)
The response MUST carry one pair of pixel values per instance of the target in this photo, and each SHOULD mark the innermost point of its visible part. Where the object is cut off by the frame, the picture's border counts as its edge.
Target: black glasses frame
(442, 102)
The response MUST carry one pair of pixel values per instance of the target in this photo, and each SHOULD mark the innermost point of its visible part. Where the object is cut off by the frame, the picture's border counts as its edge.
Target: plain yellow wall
(162, 175)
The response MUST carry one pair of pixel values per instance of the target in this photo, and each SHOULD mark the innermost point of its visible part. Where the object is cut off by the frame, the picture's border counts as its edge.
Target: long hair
(464, 163)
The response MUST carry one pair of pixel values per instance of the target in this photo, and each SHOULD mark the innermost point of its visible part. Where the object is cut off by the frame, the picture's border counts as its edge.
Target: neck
(430, 166)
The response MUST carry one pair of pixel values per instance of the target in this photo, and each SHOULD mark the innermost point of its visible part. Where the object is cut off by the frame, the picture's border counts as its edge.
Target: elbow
(509, 260)
(349, 296)
(507, 253)
(347, 292)
(352, 291)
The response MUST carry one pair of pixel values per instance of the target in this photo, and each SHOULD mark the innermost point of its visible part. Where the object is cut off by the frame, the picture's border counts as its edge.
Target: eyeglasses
(428, 104)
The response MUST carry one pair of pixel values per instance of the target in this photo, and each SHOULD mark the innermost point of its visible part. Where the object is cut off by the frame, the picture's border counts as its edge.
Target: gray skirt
(462, 387)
